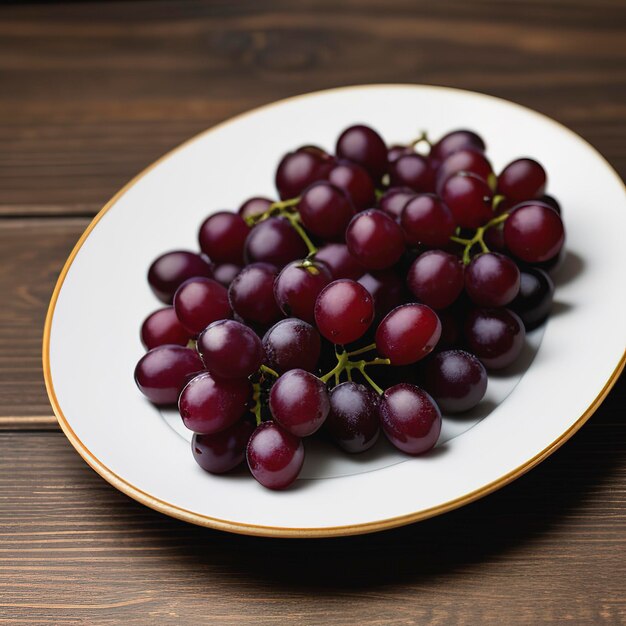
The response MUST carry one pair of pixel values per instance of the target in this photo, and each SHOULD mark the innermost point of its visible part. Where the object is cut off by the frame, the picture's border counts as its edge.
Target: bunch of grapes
(412, 256)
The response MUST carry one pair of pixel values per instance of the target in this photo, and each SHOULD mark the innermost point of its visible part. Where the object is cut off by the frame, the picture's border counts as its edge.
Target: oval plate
(91, 341)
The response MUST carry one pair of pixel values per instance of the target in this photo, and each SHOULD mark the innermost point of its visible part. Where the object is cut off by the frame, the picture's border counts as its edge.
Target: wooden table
(93, 92)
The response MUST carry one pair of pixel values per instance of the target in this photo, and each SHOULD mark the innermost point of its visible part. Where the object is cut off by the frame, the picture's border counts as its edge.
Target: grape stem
(256, 398)
(345, 364)
(280, 207)
(369, 348)
(423, 138)
(478, 238)
(268, 370)
(294, 220)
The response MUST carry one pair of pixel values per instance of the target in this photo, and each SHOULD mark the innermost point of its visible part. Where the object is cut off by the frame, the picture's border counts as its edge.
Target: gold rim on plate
(271, 531)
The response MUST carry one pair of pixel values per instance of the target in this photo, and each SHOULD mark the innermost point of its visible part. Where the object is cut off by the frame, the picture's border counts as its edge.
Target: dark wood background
(91, 93)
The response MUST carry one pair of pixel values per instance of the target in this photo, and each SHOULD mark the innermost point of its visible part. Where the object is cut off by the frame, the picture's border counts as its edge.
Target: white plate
(91, 339)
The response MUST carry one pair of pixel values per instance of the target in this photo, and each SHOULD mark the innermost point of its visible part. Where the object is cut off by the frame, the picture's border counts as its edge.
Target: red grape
(325, 210)
(394, 200)
(275, 457)
(469, 198)
(299, 402)
(436, 278)
(162, 373)
(344, 311)
(229, 349)
(408, 334)
(427, 220)
(355, 182)
(223, 451)
(410, 418)
(200, 301)
(225, 273)
(251, 294)
(298, 170)
(292, 344)
(395, 152)
(209, 404)
(353, 421)
(172, 269)
(492, 279)
(522, 179)
(274, 241)
(453, 142)
(534, 232)
(364, 146)
(297, 287)
(374, 239)
(466, 160)
(162, 327)
(412, 171)
(338, 259)
(222, 237)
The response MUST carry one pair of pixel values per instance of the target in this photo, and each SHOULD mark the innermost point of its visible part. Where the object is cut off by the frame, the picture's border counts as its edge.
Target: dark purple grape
(209, 404)
(297, 287)
(426, 220)
(551, 201)
(274, 456)
(408, 334)
(200, 301)
(162, 373)
(394, 200)
(374, 239)
(364, 146)
(453, 142)
(522, 179)
(274, 241)
(229, 349)
(163, 327)
(223, 451)
(450, 328)
(222, 237)
(410, 418)
(534, 300)
(325, 210)
(292, 344)
(495, 336)
(225, 273)
(412, 171)
(355, 182)
(534, 232)
(469, 198)
(353, 421)
(387, 289)
(456, 379)
(344, 311)
(436, 278)
(298, 170)
(299, 402)
(254, 206)
(338, 259)
(492, 280)
(172, 269)
(251, 294)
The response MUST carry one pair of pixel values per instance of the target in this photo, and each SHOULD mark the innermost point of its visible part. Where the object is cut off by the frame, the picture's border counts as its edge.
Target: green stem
(256, 398)
(342, 359)
(294, 220)
(369, 348)
(368, 378)
(377, 361)
(422, 138)
(478, 238)
(268, 370)
(276, 208)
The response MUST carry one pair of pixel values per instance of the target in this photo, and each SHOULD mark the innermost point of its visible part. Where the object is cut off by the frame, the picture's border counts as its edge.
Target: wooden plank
(33, 252)
(547, 549)
(97, 91)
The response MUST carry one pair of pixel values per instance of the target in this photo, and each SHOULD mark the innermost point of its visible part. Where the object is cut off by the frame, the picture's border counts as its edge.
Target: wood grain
(33, 252)
(91, 93)
(100, 90)
(547, 549)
